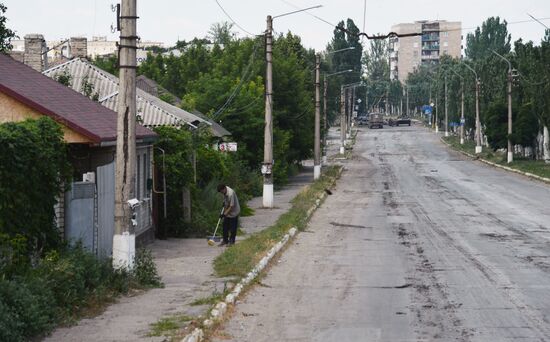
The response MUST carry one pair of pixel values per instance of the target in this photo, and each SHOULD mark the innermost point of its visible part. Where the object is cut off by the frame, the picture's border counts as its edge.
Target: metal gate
(106, 209)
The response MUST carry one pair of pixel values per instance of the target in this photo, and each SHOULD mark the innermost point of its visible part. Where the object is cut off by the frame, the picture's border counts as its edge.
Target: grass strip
(536, 167)
(242, 257)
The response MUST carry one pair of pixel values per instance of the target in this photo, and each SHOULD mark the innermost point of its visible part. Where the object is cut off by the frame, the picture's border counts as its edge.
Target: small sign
(228, 147)
(462, 121)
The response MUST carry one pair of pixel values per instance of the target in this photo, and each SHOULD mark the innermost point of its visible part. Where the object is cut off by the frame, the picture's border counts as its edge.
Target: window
(415, 45)
(445, 43)
(446, 34)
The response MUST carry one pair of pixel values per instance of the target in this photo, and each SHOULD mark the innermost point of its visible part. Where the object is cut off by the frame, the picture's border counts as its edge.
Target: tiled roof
(63, 104)
(152, 110)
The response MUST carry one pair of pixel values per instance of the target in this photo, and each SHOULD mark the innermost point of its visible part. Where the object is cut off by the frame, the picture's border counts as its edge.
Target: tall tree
(493, 34)
(220, 33)
(6, 35)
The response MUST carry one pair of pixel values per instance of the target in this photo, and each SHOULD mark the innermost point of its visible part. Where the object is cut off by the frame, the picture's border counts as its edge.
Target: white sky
(168, 20)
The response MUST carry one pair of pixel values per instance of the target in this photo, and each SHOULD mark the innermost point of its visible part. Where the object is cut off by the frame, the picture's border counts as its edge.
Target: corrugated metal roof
(64, 105)
(216, 129)
(151, 110)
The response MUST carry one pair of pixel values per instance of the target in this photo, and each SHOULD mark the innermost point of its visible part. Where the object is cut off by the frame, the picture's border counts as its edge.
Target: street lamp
(325, 90)
(510, 76)
(343, 124)
(462, 121)
(317, 135)
(267, 166)
(478, 123)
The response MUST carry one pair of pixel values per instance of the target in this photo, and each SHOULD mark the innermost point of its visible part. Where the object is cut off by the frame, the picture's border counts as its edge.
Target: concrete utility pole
(446, 107)
(462, 121)
(325, 124)
(478, 123)
(510, 79)
(124, 235)
(407, 90)
(267, 168)
(317, 142)
(342, 121)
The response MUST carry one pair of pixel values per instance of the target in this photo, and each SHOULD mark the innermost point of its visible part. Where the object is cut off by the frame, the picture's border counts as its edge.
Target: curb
(220, 308)
(528, 174)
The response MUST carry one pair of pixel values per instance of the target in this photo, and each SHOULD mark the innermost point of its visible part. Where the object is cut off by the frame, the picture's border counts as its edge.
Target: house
(86, 212)
(98, 84)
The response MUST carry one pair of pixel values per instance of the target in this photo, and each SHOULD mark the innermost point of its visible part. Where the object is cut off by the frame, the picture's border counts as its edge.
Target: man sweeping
(230, 214)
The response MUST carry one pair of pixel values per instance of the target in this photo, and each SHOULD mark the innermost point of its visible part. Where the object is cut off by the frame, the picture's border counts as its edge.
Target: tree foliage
(33, 172)
(6, 35)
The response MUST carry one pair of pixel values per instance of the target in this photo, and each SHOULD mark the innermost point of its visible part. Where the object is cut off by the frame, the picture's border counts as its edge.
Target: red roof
(60, 102)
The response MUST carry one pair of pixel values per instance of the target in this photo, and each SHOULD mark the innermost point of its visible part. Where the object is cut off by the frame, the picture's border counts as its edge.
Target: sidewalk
(185, 266)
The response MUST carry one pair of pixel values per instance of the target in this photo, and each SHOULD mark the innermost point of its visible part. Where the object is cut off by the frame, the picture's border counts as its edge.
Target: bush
(62, 284)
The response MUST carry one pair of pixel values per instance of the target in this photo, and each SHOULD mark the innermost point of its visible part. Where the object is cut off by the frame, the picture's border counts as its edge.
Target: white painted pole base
(124, 251)
(347, 135)
(478, 149)
(316, 172)
(446, 133)
(342, 150)
(267, 199)
(436, 129)
(510, 157)
(461, 141)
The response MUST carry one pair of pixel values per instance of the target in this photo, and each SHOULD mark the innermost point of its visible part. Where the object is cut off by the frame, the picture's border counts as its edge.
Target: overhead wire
(232, 20)
(244, 78)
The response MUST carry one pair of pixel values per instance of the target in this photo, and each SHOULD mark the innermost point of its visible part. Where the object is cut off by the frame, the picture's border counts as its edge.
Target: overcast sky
(170, 20)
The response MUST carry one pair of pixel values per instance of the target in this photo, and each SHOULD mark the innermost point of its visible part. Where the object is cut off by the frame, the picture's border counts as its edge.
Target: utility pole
(124, 231)
(407, 90)
(325, 124)
(478, 123)
(317, 142)
(446, 107)
(462, 120)
(510, 79)
(342, 121)
(267, 167)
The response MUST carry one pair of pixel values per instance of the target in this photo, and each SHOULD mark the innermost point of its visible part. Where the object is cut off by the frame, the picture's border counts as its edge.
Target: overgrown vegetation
(242, 257)
(43, 281)
(212, 167)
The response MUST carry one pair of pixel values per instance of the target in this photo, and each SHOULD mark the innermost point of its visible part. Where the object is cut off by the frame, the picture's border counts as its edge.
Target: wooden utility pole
(267, 168)
(124, 234)
(317, 142)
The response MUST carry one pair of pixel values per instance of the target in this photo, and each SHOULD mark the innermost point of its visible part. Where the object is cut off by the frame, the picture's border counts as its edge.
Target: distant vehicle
(362, 120)
(376, 120)
(403, 121)
(399, 121)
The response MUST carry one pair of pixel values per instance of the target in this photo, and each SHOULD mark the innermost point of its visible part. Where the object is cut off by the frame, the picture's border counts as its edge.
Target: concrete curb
(220, 308)
(528, 174)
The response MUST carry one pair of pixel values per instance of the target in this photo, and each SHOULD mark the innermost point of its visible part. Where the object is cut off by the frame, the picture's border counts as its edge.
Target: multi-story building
(438, 38)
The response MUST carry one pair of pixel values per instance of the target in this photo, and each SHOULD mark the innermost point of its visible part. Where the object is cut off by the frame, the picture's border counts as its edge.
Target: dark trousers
(230, 229)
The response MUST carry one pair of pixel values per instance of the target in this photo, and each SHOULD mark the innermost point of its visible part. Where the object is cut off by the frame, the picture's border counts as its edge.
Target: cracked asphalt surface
(417, 243)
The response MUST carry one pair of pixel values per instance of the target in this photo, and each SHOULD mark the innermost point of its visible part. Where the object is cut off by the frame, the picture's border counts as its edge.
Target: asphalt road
(417, 243)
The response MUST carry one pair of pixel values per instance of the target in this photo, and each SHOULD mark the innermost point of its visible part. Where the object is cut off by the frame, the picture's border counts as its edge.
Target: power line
(245, 77)
(232, 20)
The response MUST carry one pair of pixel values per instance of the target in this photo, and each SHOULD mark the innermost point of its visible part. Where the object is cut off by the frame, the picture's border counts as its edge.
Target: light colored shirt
(230, 200)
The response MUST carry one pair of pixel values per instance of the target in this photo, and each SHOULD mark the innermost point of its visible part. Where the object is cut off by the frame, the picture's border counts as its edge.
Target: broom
(212, 240)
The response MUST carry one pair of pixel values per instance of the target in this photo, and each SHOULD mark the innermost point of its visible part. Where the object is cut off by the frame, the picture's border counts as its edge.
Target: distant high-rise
(438, 38)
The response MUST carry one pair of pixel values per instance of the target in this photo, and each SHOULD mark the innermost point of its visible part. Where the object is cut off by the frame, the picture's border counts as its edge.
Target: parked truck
(376, 120)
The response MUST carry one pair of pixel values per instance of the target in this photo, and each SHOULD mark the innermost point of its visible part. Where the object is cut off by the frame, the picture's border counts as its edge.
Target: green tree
(6, 35)
(220, 33)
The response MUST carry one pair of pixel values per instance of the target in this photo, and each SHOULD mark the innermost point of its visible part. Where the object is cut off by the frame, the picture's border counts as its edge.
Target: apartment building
(438, 38)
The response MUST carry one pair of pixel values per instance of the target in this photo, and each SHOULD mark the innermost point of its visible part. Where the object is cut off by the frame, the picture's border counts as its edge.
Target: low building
(86, 212)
